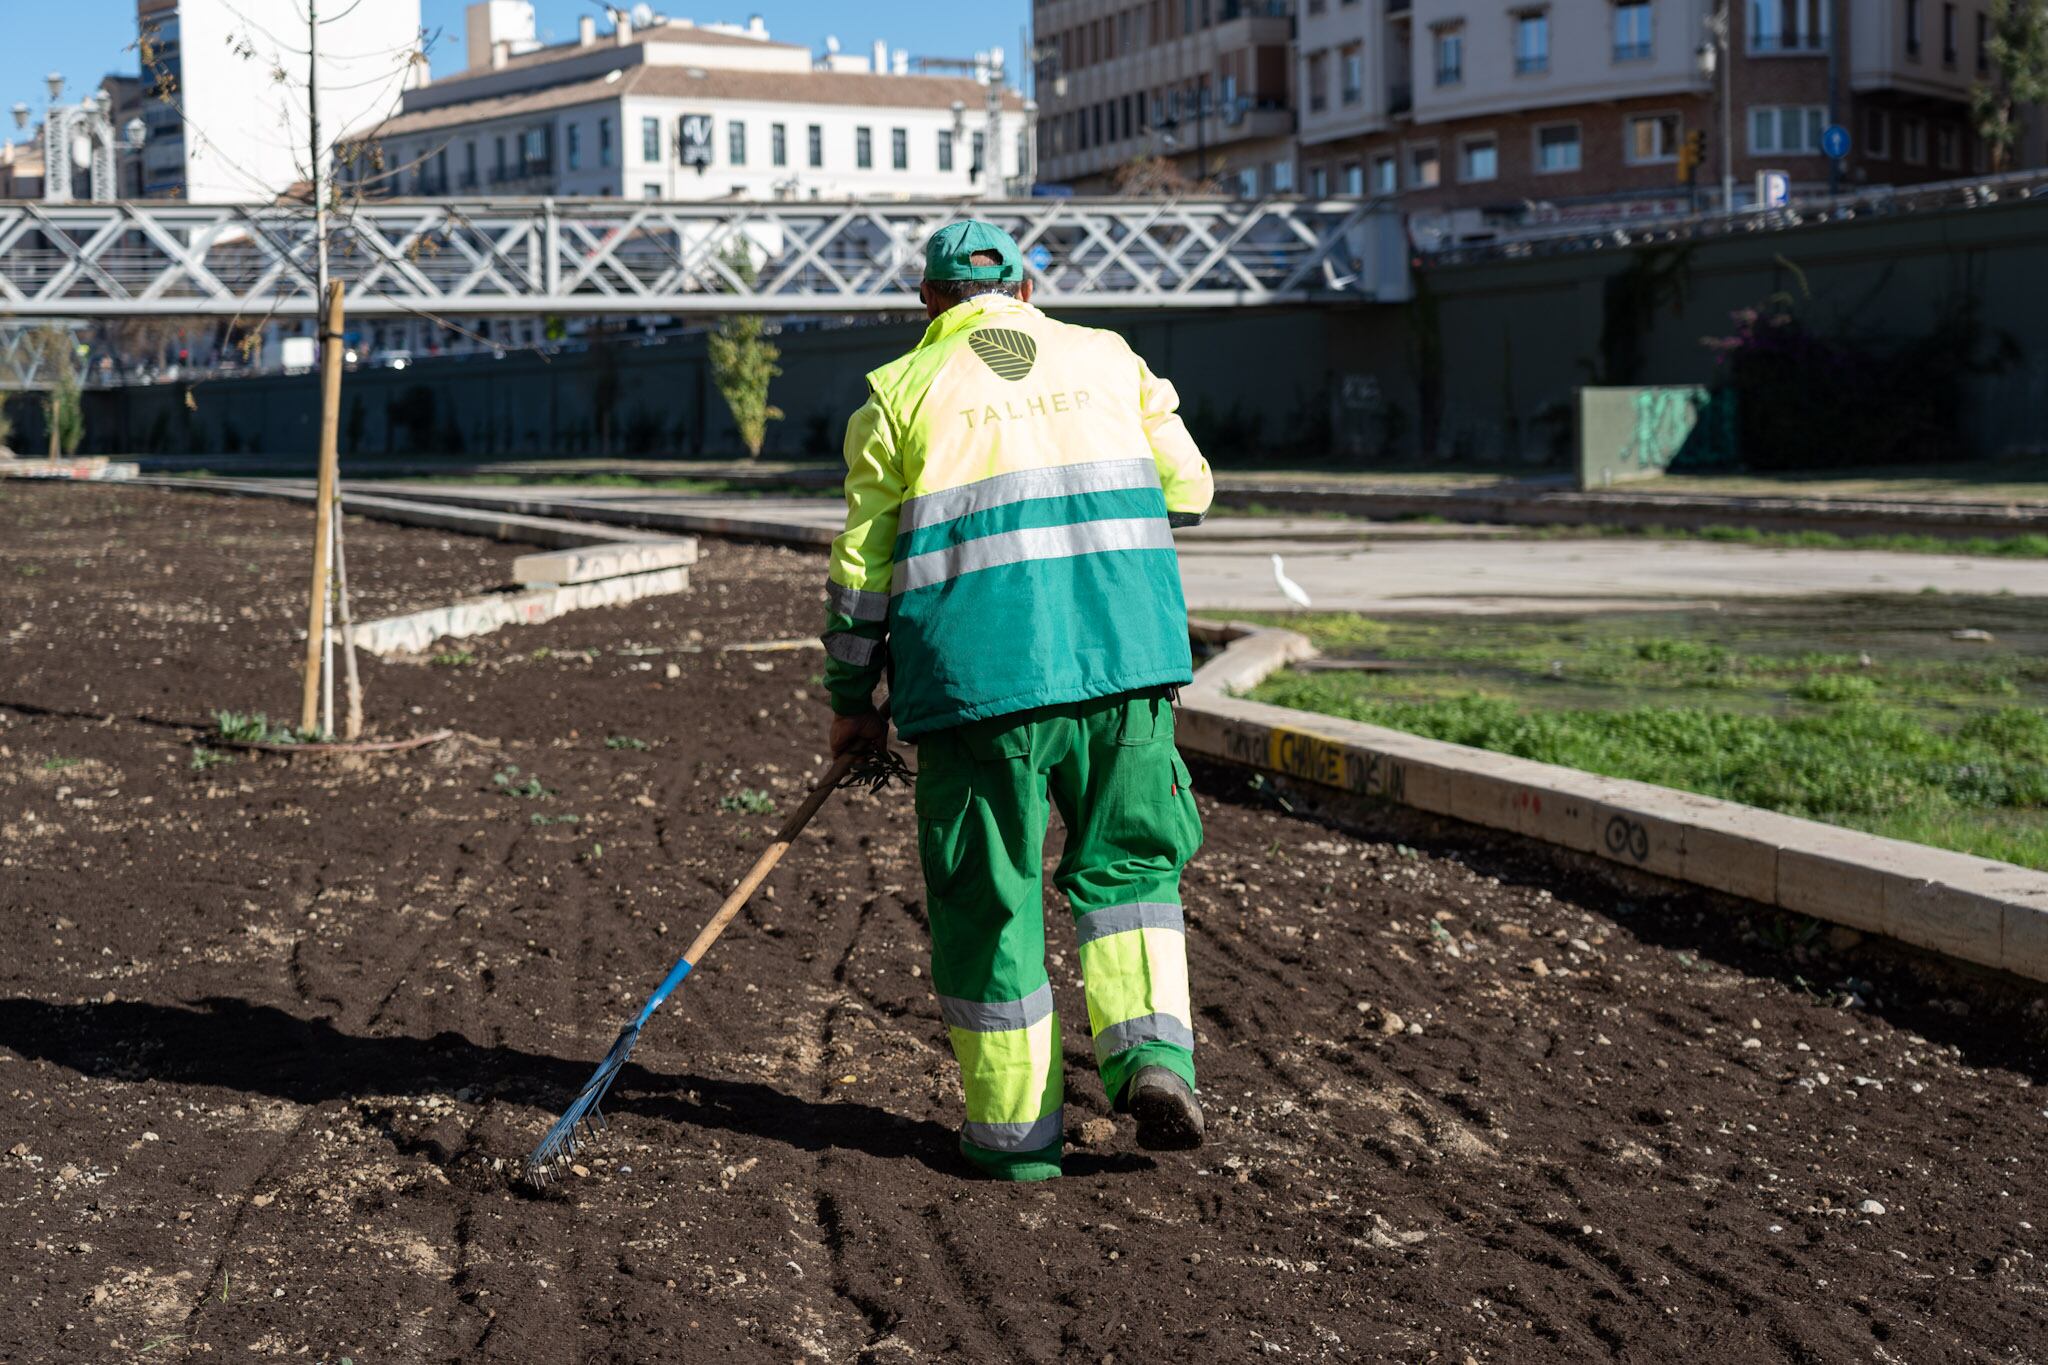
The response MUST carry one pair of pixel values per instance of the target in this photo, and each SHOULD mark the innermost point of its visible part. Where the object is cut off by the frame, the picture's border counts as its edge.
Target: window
(1557, 148)
(1319, 183)
(1248, 182)
(864, 148)
(1651, 138)
(650, 139)
(1632, 31)
(1912, 28)
(650, 190)
(1790, 129)
(1424, 172)
(1913, 141)
(575, 148)
(1283, 177)
(1948, 147)
(1877, 139)
(778, 145)
(1318, 81)
(1789, 25)
(469, 165)
(817, 146)
(945, 149)
(1354, 177)
(1948, 35)
(1384, 178)
(500, 164)
(1450, 55)
(1983, 42)
(736, 143)
(1532, 42)
(536, 151)
(899, 148)
(1478, 159)
(979, 163)
(604, 141)
(1353, 58)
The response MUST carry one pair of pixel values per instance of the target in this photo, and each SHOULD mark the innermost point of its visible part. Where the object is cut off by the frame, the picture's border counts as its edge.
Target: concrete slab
(419, 631)
(603, 561)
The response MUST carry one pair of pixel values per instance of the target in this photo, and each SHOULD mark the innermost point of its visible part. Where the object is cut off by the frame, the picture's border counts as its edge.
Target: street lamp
(88, 121)
(1713, 57)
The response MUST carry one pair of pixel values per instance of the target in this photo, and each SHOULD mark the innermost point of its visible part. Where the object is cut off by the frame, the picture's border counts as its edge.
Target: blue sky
(86, 39)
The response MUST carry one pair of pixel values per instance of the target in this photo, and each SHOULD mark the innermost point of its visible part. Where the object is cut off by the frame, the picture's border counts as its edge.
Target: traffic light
(1692, 153)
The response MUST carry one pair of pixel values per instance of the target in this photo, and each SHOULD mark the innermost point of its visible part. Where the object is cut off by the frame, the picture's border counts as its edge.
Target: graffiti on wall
(1670, 422)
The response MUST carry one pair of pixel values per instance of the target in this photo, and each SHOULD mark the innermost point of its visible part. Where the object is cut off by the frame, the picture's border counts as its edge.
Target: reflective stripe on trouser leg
(1134, 961)
(1009, 1055)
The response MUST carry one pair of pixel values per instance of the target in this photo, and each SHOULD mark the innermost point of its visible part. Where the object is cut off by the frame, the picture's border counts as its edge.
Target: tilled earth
(276, 1033)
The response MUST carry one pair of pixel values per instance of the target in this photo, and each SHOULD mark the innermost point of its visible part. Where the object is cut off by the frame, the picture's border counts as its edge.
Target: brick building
(1484, 113)
(1201, 83)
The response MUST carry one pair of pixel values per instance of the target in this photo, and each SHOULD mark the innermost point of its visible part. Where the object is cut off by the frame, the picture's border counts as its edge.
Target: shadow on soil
(263, 1050)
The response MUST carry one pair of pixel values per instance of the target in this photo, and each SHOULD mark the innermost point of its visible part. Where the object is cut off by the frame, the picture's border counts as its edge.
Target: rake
(583, 1119)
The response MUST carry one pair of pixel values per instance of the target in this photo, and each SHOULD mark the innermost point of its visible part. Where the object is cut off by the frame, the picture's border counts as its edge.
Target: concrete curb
(1689, 511)
(92, 468)
(1975, 909)
(416, 632)
(515, 528)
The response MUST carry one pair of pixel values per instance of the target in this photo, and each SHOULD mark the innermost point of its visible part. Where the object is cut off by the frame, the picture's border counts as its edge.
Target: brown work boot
(1169, 1119)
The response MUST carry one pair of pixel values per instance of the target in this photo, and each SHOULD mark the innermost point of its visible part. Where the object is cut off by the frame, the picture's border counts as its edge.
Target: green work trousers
(1111, 768)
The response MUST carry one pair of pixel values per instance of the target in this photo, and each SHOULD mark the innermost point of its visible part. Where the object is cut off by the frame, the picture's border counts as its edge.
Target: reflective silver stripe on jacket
(997, 1016)
(1036, 542)
(1016, 1137)
(1120, 919)
(856, 650)
(1150, 1028)
(1095, 476)
(858, 603)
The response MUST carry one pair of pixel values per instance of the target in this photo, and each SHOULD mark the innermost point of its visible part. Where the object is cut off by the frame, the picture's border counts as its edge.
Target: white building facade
(675, 111)
(223, 129)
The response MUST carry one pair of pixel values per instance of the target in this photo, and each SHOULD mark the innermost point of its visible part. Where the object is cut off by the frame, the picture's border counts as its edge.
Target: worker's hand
(855, 734)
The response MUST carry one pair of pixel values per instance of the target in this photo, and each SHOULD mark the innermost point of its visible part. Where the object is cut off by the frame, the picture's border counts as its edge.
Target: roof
(841, 88)
(670, 32)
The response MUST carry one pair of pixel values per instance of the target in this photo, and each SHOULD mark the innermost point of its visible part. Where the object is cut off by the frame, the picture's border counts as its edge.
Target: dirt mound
(274, 1033)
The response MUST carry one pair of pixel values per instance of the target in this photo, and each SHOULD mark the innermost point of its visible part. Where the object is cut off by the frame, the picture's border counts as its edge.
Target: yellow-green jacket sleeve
(863, 562)
(1183, 473)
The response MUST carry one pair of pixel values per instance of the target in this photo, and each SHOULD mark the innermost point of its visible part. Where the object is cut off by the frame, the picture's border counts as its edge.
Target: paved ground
(1227, 563)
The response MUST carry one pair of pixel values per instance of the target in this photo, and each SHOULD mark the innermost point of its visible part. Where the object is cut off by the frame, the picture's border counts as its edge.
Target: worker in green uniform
(1008, 562)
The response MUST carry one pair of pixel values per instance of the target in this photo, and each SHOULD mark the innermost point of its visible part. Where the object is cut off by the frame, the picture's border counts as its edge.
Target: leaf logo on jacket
(1010, 354)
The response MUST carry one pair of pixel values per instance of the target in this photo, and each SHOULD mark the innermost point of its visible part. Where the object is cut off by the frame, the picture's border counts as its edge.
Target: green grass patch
(1864, 714)
(257, 728)
(624, 742)
(453, 658)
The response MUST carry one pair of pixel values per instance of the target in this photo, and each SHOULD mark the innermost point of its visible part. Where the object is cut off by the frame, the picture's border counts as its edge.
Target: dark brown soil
(276, 1032)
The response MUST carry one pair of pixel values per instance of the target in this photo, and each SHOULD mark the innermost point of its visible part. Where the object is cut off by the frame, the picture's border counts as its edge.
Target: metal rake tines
(877, 768)
(582, 1121)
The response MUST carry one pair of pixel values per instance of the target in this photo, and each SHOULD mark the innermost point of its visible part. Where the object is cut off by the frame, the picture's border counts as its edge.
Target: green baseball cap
(949, 255)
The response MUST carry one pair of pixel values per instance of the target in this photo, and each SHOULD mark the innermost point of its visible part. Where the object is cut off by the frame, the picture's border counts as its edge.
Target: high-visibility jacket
(1010, 485)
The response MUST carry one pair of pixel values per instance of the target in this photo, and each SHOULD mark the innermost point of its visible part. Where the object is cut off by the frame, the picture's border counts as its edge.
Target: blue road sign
(1834, 142)
(1040, 258)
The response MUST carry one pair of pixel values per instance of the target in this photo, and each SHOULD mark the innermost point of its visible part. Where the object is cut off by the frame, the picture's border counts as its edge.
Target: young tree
(2019, 75)
(63, 409)
(743, 362)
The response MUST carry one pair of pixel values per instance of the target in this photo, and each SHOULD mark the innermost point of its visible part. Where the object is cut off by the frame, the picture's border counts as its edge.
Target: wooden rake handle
(772, 855)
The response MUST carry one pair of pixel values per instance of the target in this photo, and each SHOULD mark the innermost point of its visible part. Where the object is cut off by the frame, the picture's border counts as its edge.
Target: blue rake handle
(582, 1120)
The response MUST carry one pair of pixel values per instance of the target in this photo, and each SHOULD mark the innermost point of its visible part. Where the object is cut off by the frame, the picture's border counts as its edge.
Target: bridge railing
(607, 256)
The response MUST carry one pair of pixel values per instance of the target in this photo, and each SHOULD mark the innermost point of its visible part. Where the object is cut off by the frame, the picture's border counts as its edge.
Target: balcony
(1533, 65)
(1632, 52)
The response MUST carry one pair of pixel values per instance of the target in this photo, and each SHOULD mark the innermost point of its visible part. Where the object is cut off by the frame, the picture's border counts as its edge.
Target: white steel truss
(607, 256)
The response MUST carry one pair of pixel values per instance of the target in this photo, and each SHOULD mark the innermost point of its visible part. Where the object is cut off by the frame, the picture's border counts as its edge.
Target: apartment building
(221, 128)
(681, 111)
(1203, 84)
(1525, 111)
